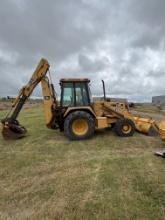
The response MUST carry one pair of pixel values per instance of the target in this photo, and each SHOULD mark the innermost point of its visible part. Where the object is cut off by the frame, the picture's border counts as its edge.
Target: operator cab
(75, 92)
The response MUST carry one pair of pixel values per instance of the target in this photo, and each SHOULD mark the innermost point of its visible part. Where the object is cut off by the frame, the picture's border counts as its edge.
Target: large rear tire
(79, 125)
(125, 127)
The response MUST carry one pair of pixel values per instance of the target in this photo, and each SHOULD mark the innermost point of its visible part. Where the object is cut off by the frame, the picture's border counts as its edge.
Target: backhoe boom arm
(11, 127)
(37, 76)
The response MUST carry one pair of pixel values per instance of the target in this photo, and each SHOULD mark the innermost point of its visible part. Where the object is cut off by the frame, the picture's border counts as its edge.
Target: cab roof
(74, 80)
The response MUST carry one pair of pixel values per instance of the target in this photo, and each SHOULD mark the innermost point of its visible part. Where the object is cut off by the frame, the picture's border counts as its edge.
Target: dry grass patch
(45, 176)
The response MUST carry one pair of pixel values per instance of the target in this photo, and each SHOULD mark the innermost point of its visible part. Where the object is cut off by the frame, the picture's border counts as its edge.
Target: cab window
(74, 94)
(68, 94)
(81, 92)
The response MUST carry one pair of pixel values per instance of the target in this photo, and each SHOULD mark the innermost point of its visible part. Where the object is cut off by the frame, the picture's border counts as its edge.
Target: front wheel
(79, 125)
(125, 127)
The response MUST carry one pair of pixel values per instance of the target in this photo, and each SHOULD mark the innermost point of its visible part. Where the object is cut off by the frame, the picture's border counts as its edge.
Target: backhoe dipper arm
(49, 100)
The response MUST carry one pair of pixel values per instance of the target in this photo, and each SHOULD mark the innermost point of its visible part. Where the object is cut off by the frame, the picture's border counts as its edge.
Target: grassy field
(46, 176)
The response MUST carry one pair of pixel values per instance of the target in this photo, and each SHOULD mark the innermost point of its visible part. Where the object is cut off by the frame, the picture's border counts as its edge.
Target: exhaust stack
(104, 90)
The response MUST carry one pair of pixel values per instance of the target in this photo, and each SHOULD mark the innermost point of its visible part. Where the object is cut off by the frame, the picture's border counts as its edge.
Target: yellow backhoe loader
(75, 114)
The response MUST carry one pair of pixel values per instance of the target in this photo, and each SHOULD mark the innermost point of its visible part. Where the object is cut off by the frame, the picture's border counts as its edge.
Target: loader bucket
(13, 131)
(162, 130)
(146, 126)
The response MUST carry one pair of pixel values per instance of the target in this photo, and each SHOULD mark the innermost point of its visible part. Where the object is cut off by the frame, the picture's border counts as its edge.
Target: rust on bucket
(12, 131)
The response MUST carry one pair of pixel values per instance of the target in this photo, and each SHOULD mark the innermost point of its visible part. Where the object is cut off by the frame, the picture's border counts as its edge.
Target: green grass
(46, 176)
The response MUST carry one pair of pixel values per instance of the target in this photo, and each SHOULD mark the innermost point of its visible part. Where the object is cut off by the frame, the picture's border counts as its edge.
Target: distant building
(120, 100)
(158, 100)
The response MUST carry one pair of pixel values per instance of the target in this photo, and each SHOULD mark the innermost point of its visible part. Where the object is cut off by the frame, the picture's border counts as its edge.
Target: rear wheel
(125, 128)
(79, 125)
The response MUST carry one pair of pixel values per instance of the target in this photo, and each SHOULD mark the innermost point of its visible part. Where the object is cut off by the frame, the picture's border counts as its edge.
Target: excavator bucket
(146, 126)
(12, 131)
(162, 130)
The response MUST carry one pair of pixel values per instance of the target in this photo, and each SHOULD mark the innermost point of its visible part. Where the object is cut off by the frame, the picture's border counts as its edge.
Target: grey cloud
(148, 11)
(120, 41)
(149, 19)
(51, 28)
(148, 39)
(93, 65)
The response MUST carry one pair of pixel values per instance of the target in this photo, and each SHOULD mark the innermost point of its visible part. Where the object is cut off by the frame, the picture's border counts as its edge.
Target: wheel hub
(126, 129)
(80, 126)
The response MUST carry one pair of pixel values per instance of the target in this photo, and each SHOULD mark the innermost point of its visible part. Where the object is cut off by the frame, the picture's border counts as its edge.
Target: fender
(79, 108)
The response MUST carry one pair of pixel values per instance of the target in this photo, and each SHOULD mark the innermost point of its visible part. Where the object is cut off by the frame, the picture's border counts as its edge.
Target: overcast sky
(120, 41)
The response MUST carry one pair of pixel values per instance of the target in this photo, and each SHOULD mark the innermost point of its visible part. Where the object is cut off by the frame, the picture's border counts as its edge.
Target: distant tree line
(9, 98)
